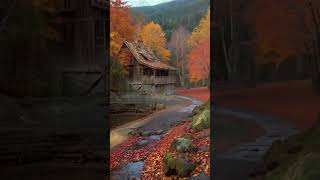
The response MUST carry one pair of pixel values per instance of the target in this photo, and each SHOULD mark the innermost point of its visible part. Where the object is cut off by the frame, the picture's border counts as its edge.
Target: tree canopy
(154, 38)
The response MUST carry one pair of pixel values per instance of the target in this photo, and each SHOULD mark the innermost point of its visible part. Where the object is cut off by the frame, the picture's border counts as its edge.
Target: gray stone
(147, 133)
(159, 132)
(143, 143)
(155, 137)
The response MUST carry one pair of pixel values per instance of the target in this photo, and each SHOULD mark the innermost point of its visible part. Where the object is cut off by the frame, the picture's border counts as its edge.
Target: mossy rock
(169, 165)
(200, 108)
(182, 145)
(180, 166)
(201, 120)
(184, 167)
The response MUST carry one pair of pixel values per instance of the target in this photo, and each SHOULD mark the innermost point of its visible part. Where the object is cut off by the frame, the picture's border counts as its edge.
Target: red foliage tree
(121, 25)
(199, 61)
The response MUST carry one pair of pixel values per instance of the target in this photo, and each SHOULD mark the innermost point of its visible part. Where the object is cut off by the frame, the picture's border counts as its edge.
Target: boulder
(201, 120)
(182, 145)
(180, 166)
(169, 165)
(184, 167)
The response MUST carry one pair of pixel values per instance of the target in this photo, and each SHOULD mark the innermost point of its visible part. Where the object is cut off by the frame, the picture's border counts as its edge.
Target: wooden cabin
(145, 71)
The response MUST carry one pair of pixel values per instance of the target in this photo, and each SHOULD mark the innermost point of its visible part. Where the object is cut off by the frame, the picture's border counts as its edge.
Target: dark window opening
(130, 72)
(147, 72)
(162, 73)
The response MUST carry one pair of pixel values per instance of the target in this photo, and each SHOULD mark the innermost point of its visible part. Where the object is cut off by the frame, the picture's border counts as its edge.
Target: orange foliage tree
(154, 38)
(199, 61)
(199, 58)
(121, 25)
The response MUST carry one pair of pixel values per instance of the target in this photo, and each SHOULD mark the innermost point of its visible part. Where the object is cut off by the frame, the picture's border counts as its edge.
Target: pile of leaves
(200, 140)
(154, 163)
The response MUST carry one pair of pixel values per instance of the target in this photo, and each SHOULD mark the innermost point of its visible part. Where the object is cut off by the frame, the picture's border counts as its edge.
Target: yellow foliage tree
(154, 38)
(202, 31)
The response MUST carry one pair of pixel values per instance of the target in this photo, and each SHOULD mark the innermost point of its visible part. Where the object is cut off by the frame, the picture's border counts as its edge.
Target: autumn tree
(202, 31)
(199, 61)
(199, 58)
(154, 38)
(179, 48)
(121, 25)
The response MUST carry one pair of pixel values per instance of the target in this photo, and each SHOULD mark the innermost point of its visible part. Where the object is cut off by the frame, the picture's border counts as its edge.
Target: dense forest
(172, 14)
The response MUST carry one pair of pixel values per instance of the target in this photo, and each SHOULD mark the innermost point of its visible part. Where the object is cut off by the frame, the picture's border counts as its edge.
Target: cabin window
(147, 72)
(162, 73)
(130, 72)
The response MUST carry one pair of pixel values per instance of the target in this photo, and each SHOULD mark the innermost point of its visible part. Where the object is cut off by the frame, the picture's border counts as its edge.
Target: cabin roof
(145, 56)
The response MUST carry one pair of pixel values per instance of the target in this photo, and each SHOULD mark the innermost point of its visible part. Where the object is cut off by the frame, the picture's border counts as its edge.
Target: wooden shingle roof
(145, 57)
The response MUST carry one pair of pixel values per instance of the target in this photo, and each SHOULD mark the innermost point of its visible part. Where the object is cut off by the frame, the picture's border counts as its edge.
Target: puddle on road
(130, 171)
(154, 137)
(189, 109)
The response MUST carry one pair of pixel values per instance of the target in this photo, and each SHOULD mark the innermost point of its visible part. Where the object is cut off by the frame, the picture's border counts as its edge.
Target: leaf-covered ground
(200, 93)
(153, 154)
